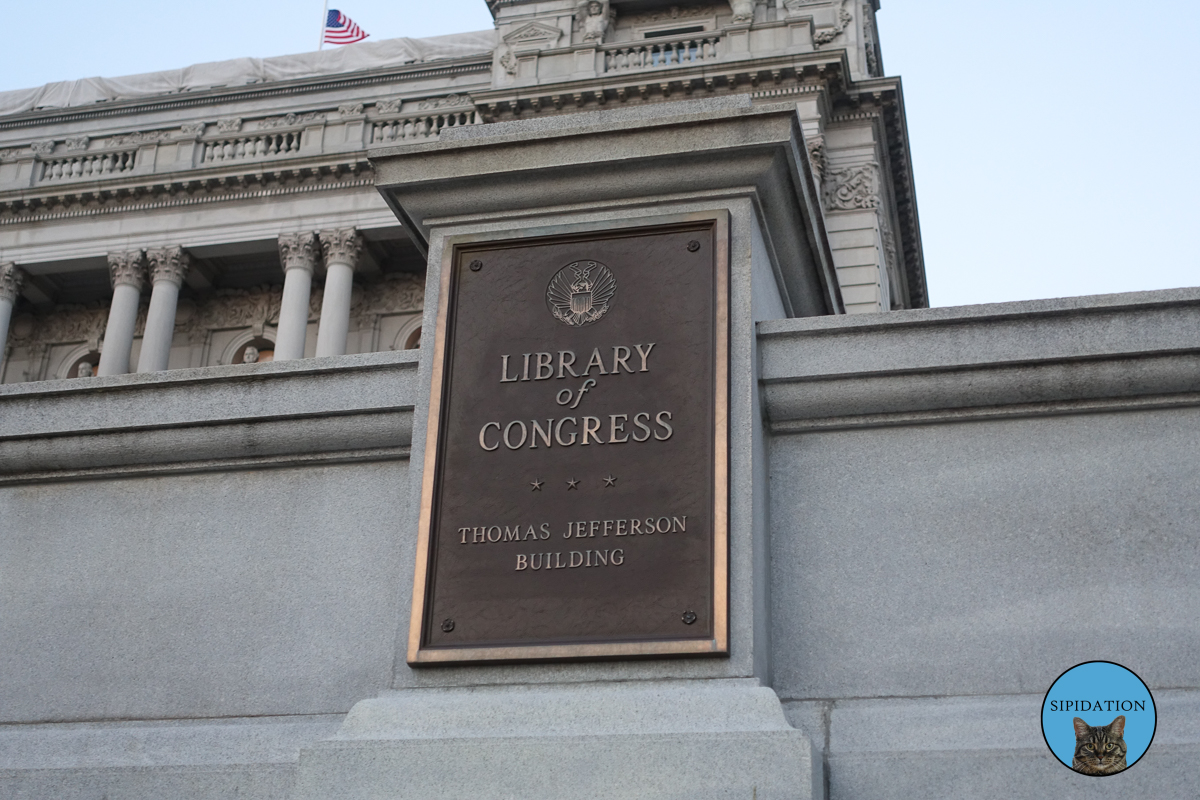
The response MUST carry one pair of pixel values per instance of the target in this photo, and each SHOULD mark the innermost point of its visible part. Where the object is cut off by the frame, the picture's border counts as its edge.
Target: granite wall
(201, 571)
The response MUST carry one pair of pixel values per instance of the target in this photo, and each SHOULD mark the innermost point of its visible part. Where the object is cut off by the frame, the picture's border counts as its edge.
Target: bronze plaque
(575, 492)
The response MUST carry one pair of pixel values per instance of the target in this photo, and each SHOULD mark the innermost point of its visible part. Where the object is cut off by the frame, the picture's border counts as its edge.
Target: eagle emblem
(580, 293)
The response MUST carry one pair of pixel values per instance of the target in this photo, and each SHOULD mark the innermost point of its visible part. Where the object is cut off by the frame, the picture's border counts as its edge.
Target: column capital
(169, 264)
(342, 246)
(298, 251)
(127, 268)
(12, 278)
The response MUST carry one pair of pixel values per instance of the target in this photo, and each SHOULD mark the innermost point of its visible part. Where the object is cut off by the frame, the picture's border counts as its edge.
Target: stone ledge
(1034, 358)
(673, 739)
(222, 395)
(342, 408)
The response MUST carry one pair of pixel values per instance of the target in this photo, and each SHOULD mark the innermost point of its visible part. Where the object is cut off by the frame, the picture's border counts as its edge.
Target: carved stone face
(595, 9)
(250, 356)
(85, 370)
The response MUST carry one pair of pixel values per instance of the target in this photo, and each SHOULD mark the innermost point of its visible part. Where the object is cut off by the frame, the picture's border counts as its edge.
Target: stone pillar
(128, 273)
(341, 249)
(11, 280)
(298, 253)
(168, 267)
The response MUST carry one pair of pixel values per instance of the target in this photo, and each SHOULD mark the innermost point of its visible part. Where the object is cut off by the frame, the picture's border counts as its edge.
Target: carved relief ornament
(128, 268)
(68, 324)
(341, 246)
(298, 251)
(671, 14)
(287, 120)
(853, 188)
(594, 18)
(827, 35)
(869, 46)
(795, 7)
(743, 11)
(140, 137)
(444, 102)
(508, 60)
(534, 36)
(397, 294)
(241, 308)
(12, 278)
(169, 264)
(816, 156)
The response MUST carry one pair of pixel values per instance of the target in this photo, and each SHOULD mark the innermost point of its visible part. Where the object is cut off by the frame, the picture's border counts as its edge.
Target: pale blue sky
(1054, 141)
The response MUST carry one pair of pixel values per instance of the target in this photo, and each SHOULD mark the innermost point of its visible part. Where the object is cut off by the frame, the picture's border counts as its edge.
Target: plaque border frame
(718, 643)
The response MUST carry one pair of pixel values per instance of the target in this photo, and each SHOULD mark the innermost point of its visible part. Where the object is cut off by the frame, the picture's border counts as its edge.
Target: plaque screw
(448, 625)
(693, 246)
(688, 617)
(476, 265)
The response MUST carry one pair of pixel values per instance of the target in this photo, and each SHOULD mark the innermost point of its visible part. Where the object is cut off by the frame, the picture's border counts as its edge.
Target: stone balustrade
(651, 53)
(188, 147)
(98, 165)
(426, 126)
(249, 147)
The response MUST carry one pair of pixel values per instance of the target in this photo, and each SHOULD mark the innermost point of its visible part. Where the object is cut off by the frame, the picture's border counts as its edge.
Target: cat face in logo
(1099, 750)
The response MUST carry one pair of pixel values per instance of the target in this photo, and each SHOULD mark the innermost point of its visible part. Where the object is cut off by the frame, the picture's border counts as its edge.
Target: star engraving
(537, 485)
(610, 481)
(572, 484)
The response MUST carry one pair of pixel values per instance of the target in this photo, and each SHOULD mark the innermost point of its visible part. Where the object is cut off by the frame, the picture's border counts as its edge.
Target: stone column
(298, 253)
(168, 267)
(128, 273)
(341, 249)
(11, 280)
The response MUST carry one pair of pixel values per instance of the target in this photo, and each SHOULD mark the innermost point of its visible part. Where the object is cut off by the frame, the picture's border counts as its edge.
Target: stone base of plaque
(675, 739)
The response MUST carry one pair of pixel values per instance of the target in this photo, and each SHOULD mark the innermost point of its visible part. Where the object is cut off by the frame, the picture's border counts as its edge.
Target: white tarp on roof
(242, 71)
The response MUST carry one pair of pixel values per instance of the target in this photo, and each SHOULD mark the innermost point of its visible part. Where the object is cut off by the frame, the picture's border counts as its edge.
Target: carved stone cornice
(128, 269)
(12, 278)
(298, 251)
(341, 246)
(169, 264)
(283, 179)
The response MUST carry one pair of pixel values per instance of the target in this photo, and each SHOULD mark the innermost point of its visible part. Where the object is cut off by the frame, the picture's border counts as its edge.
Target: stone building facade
(219, 296)
(199, 199)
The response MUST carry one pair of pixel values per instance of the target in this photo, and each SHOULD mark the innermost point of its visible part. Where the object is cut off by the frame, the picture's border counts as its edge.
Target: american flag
(340, 29)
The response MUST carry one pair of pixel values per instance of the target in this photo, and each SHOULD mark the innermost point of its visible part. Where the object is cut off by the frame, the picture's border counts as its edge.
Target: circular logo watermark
(579, 293)
(1098, 718)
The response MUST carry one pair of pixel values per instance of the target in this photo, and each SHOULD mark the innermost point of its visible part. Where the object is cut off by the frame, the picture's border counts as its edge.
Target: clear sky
(1055, 142)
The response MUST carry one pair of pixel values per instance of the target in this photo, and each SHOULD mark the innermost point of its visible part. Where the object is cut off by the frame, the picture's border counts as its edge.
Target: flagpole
(324, 17)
